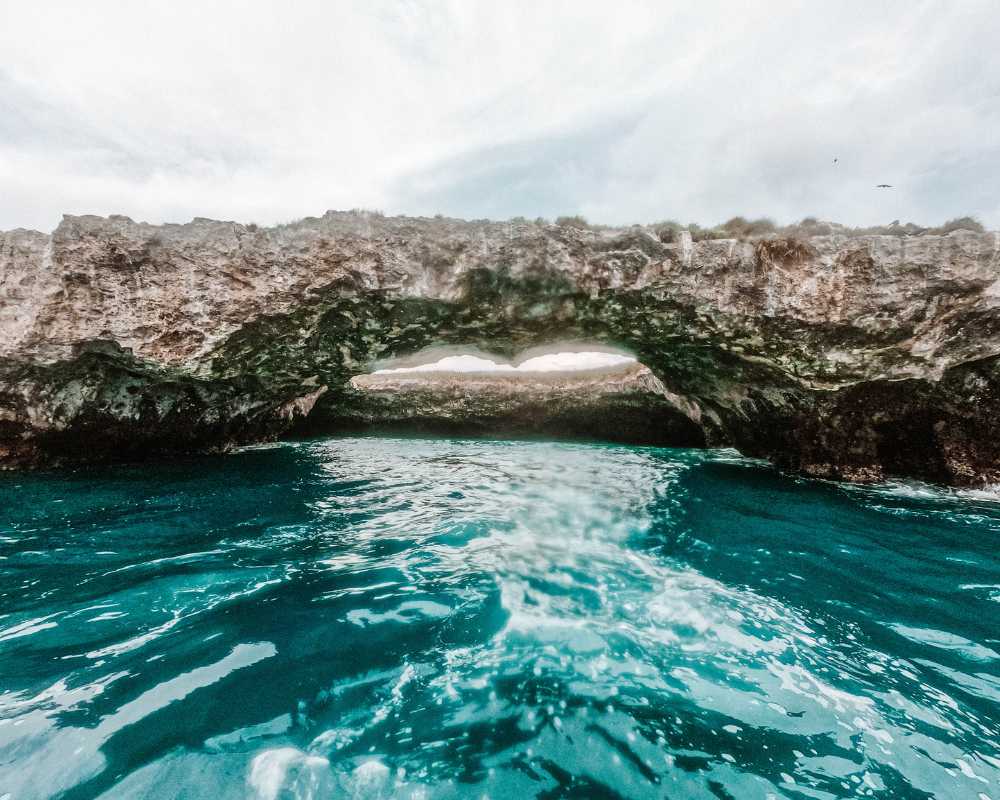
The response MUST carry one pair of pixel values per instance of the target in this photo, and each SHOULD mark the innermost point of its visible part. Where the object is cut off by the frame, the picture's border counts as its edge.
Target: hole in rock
(551, 362)
(578, 391)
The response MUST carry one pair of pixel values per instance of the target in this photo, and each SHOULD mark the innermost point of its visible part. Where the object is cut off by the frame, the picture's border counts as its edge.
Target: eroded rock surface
(855, 358)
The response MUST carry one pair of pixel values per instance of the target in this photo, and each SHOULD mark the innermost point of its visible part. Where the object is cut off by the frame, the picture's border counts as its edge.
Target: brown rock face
(855, 358)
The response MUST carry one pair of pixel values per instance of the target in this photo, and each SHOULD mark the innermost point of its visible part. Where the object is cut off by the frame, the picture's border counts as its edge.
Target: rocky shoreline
(854, 358)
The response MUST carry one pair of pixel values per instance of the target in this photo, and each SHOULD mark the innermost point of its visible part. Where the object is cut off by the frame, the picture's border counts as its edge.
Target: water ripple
(446, 618)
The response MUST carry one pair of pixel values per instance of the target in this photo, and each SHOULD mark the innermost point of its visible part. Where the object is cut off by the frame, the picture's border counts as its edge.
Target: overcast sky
(620, 111)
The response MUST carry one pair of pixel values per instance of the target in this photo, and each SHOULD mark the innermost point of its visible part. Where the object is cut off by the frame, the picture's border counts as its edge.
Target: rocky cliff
(852, 358)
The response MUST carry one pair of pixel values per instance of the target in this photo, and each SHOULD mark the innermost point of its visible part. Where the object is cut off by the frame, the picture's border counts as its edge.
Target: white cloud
(622, 111)
(550, 362)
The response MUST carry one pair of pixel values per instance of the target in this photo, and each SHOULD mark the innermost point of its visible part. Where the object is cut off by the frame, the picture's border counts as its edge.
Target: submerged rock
(842, 357)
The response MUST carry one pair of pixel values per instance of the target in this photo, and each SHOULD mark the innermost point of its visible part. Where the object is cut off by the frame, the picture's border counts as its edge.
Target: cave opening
(560, 359)
(583, 391)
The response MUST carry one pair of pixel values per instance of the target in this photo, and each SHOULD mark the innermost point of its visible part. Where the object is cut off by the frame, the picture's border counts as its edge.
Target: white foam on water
(272, 770)
(990, 493)
(370, 779)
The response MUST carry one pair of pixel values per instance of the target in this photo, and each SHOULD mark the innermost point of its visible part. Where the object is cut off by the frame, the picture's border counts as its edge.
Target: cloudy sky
(620, 111)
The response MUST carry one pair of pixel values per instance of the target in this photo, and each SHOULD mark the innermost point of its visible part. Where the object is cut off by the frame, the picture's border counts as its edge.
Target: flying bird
(883, 186)
(836, 160)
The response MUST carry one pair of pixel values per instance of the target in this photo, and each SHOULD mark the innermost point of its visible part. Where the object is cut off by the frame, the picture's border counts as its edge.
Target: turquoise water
(447, 618)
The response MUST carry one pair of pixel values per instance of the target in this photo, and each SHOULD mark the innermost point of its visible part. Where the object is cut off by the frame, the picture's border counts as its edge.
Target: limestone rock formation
(852, 358)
